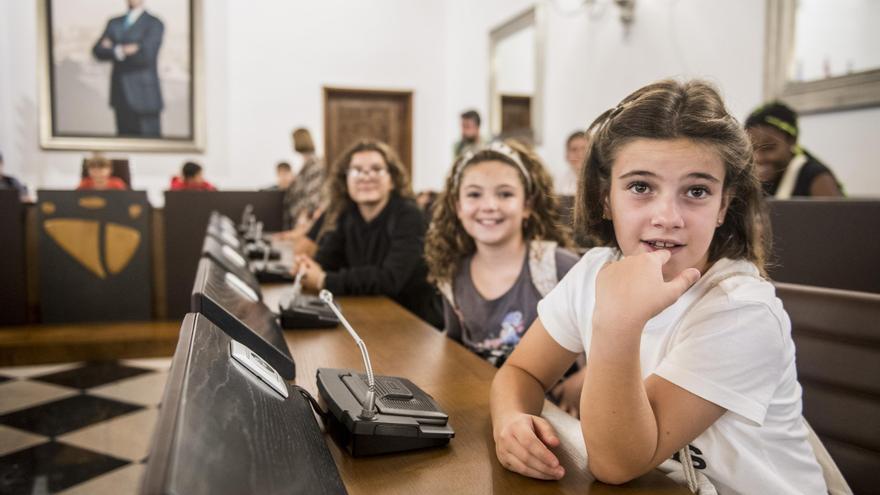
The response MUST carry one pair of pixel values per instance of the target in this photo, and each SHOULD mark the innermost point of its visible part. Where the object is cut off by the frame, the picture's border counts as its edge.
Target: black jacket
(384, 256)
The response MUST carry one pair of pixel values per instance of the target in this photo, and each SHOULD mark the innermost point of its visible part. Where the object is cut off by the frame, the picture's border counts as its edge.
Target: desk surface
(402, 345)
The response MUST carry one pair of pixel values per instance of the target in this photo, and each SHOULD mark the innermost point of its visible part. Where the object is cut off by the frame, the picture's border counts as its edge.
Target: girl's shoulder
(735, 284)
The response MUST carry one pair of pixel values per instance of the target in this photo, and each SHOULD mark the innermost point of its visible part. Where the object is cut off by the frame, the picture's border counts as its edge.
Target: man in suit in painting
(131, 42)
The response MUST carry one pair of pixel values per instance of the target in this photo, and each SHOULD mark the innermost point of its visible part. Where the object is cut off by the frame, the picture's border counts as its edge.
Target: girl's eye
(698, 192)
(639, 187)
(506, 194)
(472, 194)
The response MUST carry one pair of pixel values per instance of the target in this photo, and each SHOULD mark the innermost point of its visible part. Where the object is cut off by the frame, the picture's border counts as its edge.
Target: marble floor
(78, 428)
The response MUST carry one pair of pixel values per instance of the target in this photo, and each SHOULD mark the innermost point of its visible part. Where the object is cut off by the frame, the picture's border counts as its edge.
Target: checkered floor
(78, 428)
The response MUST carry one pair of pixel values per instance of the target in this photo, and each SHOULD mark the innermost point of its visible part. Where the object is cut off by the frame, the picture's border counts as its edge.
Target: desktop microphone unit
(222, 221)
(230, 425)
(230, 238)
(372, 415)
(269, 272)
(298, 310)
(231, 260)
(247, 219)
(257, 246)
(236, 309)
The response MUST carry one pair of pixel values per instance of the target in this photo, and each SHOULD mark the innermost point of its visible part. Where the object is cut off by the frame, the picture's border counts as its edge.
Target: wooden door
(353, 114)
(516, 114)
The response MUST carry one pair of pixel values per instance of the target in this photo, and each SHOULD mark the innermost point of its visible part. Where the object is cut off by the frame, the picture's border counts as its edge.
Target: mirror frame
(857, 90)
(534, 16)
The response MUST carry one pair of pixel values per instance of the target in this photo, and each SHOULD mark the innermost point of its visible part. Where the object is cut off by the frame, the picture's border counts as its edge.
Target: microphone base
(419, 424)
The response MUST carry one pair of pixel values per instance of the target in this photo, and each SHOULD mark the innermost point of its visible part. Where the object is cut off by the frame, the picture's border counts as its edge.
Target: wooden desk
(402, 345)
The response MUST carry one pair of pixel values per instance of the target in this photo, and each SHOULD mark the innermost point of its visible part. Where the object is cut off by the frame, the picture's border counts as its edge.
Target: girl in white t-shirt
(689, 352)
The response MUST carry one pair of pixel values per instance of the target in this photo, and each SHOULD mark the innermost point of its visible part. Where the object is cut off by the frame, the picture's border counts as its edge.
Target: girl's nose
(489, 202)
(666, 214)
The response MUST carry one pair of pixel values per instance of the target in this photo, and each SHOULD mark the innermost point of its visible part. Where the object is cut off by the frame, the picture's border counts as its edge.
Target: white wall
(591, 63)
(267, 61)
(282, 53)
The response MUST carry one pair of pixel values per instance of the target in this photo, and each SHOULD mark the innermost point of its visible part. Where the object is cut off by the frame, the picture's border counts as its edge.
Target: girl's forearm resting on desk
(620, 429)
(522, 437)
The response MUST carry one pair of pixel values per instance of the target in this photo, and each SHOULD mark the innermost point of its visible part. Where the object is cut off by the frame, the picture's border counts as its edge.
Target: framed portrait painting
(121, 75)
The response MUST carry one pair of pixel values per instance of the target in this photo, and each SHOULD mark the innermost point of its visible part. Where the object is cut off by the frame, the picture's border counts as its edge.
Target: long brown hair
(337, 185)
(447, 243)
(670, 109)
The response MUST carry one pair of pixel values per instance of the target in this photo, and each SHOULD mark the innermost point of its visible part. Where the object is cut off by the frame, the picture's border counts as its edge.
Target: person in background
(191, 179)
(575, 154)
(372, 238)
(283, 177)
(784, 168)
(10, 182)
(470, 133)
(304, 197)
(100, 178)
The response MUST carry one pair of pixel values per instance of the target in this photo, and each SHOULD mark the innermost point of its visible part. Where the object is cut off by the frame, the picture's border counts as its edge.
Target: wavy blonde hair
(447, 243)
(337, 186)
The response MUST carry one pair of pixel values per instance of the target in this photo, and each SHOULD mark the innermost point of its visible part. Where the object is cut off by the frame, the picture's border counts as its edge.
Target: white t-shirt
(732, 348)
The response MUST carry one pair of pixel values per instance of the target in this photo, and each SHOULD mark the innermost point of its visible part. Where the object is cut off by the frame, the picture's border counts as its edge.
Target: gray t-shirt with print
(492, 328)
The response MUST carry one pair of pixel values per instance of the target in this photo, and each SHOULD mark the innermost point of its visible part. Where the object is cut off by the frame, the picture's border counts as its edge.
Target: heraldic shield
(94, 256)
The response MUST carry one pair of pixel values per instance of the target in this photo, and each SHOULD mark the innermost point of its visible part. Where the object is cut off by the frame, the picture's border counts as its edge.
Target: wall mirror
(516, 77)
(819, 54)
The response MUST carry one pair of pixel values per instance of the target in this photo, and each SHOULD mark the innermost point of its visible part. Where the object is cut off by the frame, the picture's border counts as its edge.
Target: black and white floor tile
(78, 428)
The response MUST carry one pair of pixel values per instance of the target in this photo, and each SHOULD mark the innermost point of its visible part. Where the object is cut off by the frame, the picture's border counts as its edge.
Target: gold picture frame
(75, 109)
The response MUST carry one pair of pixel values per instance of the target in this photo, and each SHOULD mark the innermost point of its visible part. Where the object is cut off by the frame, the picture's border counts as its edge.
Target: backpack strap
(542, 265)
(445, 289)
(684, 455)
(834, 480)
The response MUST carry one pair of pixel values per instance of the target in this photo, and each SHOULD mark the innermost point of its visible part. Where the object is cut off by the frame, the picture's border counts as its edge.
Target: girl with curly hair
(495, 247)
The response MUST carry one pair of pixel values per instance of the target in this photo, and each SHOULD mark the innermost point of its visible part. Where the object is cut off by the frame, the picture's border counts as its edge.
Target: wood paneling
(353, 114)
(826, 242)
(13, 291)
(94, 250)
(186, 217)
(43, 344)
(516, 114)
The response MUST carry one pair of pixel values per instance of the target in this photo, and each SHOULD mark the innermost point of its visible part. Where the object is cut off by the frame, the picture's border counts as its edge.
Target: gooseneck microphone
(297, 284)
(369, 409)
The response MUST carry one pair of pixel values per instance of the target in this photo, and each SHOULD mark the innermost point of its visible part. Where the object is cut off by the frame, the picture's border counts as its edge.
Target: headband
(781, 125)
(498, 147)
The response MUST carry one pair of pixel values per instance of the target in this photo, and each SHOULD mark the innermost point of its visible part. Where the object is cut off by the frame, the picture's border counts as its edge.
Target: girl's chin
(491, 239)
